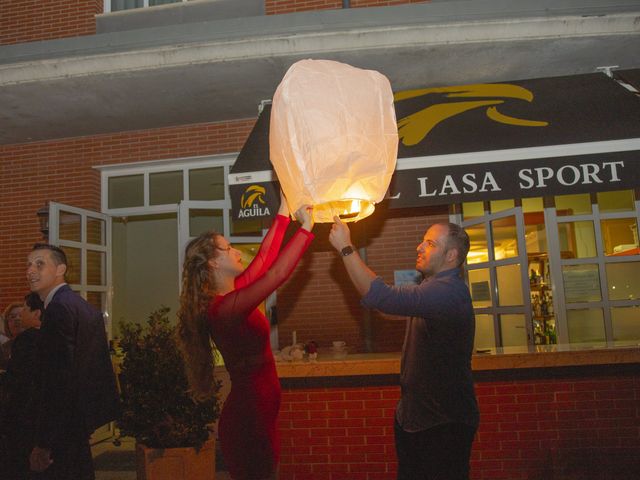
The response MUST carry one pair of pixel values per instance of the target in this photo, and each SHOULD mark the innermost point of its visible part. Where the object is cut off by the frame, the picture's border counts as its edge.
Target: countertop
(540, 356)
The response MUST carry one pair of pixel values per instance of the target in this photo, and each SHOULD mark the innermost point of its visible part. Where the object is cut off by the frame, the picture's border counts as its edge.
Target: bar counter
(540, 356)
(546, 412)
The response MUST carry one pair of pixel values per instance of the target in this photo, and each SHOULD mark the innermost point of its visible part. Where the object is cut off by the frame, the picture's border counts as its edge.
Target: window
(118, 5)
(598, 246)
(554, 270)
(207, 183)
(126, 191)
(495, 273)
(156, 207)
(165, 187)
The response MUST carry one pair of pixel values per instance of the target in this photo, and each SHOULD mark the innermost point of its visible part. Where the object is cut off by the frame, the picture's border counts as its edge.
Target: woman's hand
(284, 207)
(305, 216)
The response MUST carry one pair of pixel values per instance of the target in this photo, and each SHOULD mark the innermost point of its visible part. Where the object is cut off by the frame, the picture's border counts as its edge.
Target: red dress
(247, 428)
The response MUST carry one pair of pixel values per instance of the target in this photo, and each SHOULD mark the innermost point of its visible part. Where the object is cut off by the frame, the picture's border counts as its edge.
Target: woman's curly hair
(194, 339)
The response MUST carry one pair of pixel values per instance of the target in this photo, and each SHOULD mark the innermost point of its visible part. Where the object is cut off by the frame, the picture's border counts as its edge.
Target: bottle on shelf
(538, 336)
(550, 334)
(547, 274)
(549, 303)
(535, 306)
(544, 306)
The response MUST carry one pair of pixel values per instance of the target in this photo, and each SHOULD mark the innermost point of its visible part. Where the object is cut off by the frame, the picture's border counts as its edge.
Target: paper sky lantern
(333, 138)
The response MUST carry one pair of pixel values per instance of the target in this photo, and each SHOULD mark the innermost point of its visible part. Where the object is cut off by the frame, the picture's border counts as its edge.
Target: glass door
(497, 274)
(540, 271)
(85, 237)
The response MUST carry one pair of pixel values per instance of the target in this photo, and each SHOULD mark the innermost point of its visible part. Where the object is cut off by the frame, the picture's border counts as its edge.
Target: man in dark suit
(78, 391)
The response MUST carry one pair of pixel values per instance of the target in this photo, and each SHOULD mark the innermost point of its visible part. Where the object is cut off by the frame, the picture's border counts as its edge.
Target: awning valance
(632, 77)
(486, 142)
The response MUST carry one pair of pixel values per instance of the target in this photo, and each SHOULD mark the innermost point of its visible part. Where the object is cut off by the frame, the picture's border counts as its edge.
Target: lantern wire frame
(347, 209)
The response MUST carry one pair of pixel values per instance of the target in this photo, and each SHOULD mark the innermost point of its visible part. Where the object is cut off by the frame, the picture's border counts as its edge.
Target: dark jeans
(14, 454)
(439, 453)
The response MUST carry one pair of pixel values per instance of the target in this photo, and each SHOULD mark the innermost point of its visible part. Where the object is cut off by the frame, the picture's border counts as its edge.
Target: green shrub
(157, 409)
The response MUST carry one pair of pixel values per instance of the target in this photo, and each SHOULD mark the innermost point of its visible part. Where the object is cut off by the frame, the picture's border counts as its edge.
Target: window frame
(601, 260)
(556, 262)
(106, 7)
(496, 310)
(185, 165)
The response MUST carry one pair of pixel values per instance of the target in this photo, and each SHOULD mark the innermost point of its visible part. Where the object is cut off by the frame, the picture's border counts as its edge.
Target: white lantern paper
(333, 138)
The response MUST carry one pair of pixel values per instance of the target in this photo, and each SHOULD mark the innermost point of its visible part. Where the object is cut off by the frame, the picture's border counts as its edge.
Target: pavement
(118, 462)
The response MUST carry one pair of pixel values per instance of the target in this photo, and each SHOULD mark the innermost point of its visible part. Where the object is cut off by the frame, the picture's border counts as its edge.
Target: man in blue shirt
(437, 415)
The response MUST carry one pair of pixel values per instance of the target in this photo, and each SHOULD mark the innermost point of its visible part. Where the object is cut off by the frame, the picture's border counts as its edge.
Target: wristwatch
(346, 251)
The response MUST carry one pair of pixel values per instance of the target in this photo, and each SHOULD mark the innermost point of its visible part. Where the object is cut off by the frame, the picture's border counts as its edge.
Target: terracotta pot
(176, 463)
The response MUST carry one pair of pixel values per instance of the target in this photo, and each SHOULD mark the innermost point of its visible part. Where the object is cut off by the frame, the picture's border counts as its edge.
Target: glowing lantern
(333, 138)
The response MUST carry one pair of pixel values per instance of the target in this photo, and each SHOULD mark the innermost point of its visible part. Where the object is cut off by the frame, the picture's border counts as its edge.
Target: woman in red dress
(219, 309)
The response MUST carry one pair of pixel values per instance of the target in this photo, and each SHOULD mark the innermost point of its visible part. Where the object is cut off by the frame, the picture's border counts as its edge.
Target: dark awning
(487, 142)
(253, 185)
(632, 77)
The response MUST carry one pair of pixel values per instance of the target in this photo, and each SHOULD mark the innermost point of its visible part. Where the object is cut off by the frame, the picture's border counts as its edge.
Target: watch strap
(346, 251)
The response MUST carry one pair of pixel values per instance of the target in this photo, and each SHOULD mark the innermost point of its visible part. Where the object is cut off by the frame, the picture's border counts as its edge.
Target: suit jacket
(5, 352)
(20, 385)
(78, 389)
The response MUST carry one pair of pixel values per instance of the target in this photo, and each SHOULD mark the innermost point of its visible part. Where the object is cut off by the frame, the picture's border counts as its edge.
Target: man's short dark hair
(34, 302)
(58, 255)
(459, 239)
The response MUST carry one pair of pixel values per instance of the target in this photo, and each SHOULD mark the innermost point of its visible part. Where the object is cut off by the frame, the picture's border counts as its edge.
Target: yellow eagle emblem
(254, 193)
(413, 128)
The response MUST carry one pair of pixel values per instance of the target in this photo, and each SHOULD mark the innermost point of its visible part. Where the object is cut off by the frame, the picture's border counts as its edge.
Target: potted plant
(172, 431)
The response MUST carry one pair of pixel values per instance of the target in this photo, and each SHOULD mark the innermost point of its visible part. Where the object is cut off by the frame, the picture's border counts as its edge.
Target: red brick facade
(544, 429)
(23, 21)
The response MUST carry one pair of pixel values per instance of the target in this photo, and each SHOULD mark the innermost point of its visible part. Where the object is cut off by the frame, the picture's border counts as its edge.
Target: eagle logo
(253, 194)
(413, 128)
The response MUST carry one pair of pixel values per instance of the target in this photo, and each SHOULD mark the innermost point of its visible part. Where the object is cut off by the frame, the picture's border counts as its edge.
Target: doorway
(145, 267)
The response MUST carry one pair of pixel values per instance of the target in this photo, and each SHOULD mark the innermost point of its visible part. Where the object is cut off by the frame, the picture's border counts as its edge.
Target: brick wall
(273, 7)
(24, 21)
(567, 427)
(338, 433)
(62, 171)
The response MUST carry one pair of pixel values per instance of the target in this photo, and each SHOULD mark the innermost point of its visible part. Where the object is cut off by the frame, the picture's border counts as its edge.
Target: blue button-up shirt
(435, 375)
